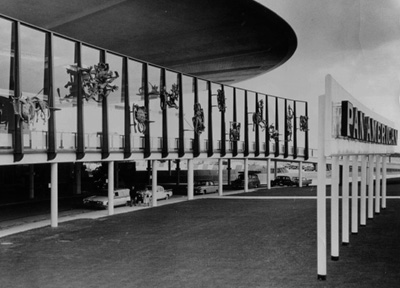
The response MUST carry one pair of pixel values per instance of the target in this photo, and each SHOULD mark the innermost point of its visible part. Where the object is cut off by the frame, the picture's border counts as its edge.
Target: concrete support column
(384, 179)
(268, 173)
(371, 186)
(31, 182)
(363, 191)
(111, 188)
(335, 209)
(378, 184)
(220, 178)
(154, 166)
(354, 196)
(345, 201)
(300, 174)
(275, 168)
(190, 179)
(54, 195)
(246, 175)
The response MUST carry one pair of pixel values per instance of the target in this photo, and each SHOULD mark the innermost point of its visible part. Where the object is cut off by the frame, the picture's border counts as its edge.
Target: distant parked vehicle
(121, 197)
(161, 193)
(253, 179)
(204, 187)
(282, 181)
(305, 181)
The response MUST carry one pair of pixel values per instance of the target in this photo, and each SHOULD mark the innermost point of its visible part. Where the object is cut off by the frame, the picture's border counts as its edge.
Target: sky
(355, 41)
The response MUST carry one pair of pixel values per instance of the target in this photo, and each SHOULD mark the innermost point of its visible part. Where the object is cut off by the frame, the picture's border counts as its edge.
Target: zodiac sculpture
(139, 116)
(289, 126)
(303, 123)
(153, 91)
(273, 133)
(96, 82)
(221, 100)
(29, 108)
(168, 99)
(234, 131)
(258, 116)
(198, 119)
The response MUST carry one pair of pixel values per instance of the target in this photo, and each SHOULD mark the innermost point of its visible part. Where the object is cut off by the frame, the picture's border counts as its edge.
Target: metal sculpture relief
(29, 108)
(289, 125)
(258, 116)
(152, 92)
(234, 131)
(139, 118)
(221, 100)
(273, 133)
(168, 99)
(96, 82)
(304, 123)
(198, 119)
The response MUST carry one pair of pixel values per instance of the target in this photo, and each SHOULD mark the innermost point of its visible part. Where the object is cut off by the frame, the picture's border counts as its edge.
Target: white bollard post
(268, 173)
(54, 195)
(371, 187)
(335, 209)
(246, 175)
(354, 196)
(190, 179)
(220, 178)
(384, 179)
(363, 191)
(300, 174)
(111, 188)
(378, 184)
(154, 168)
(345, 201)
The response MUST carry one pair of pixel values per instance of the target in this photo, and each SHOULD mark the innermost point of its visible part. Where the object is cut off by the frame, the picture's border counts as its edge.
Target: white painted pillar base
(110, 188)
(54, 195)
(190, 179)
(268, 173)
(354, 196)
(335, 209)
(300, 174)
(220, 178)
(246, 175)
(378, 184)
(363, 191)
(154, 168)
(371, 187)
(345, 201)
(384, 179)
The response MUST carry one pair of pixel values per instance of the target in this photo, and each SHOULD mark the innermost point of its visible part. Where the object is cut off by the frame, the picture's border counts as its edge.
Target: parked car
(204, 187)
(254, 181)
(305, 181)
(282, 181)
(121, 197)
(161, 193)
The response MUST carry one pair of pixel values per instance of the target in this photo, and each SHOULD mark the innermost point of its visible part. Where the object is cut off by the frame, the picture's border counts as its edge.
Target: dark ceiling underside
(220, 40)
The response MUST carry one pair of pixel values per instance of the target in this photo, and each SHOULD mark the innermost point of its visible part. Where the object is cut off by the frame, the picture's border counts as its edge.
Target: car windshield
(200, 183)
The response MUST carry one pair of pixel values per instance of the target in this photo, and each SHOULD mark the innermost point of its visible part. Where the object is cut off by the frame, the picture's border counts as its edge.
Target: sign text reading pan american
(356, 125)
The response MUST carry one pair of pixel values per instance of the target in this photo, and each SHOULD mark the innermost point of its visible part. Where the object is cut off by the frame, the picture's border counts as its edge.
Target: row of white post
(364, 204)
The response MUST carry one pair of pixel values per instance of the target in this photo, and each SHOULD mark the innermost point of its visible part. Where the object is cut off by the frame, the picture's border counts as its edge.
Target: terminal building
(116, 83)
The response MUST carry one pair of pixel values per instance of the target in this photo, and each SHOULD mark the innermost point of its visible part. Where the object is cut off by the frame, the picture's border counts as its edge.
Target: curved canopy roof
(220, 40)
